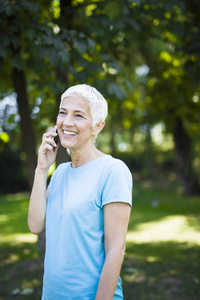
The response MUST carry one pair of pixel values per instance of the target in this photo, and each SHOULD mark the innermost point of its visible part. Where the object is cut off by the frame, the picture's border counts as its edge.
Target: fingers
(50, 134)
(48, 141)
(48, 150)
(54, 129)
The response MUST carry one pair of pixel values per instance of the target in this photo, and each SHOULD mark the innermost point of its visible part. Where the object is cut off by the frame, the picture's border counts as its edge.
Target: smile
(69, 133)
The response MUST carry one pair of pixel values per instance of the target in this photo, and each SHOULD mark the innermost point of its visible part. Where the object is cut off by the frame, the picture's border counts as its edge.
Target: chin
(67, 145)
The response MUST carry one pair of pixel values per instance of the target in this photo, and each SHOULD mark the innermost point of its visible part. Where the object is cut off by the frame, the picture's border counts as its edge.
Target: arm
(39, 195)
(116, 219)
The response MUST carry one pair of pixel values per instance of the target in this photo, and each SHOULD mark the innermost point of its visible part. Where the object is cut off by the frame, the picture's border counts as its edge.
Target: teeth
(69, 132)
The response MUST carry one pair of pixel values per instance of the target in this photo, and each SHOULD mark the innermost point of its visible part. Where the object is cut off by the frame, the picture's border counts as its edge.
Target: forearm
(37, 205)
(110, 275)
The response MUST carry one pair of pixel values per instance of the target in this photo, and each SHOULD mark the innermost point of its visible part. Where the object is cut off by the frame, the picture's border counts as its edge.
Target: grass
(162, 257)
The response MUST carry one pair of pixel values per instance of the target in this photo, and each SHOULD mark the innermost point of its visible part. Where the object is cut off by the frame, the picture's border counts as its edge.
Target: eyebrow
(76, 111)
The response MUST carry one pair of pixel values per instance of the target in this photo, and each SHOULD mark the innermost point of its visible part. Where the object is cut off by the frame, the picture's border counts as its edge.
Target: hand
(48, 150)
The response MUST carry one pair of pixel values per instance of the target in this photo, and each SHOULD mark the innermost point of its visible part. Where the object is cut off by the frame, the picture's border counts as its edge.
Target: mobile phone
(56, 138)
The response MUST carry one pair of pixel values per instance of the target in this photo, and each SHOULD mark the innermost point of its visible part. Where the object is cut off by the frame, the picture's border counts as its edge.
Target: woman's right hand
(48, 150)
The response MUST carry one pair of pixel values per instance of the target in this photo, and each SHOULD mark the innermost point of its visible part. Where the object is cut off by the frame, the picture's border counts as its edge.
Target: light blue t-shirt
(75, 226)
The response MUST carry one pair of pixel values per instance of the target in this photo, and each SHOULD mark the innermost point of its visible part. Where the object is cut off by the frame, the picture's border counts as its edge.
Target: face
(74, 123)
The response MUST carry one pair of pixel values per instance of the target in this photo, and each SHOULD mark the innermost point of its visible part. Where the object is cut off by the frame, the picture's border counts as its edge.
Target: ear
(98, 127)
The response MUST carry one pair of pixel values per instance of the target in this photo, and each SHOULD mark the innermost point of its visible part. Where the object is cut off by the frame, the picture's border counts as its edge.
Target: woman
(86, 208)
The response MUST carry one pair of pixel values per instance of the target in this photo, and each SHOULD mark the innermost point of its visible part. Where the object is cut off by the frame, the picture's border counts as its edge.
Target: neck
(83, 156)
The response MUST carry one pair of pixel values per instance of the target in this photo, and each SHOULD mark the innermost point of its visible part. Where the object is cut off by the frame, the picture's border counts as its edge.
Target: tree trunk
(148, 151)
(183, 150)
(28, 136)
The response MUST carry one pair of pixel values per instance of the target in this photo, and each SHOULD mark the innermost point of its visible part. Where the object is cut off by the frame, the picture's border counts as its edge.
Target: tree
(51, 45)
(165, 37)
(45, 50)
(14, 17)
(171, 80)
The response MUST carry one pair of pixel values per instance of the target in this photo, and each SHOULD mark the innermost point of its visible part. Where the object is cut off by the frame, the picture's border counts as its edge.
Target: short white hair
(97, 103)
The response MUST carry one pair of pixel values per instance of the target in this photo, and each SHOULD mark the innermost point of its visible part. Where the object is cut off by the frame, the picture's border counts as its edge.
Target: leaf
(116, 90)
(49, 40)
(135, 25)
(32, 6)
(64, 56)
(30, 34)
(18, 63)
(128, 83)
(4, 137)
(53, 58)
(43, 52)
(3, 53)
(91, 44)
(81, 46)
(113, 9)
(15, 41)
(5, 41)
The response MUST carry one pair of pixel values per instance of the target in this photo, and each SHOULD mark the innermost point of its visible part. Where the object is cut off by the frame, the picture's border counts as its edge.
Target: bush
(144, 162)
(12, 175)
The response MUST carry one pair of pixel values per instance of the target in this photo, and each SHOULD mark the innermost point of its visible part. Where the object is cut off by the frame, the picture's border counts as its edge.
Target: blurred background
(144, 57)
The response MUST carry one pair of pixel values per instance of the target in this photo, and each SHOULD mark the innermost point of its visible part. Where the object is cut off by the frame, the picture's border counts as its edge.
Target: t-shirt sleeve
(118, 184)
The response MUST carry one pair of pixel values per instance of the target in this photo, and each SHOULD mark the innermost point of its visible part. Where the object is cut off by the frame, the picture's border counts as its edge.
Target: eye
(61, 113)
(78, 116)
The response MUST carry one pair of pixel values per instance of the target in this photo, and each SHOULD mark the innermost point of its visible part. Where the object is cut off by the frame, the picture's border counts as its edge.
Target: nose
(68, 121)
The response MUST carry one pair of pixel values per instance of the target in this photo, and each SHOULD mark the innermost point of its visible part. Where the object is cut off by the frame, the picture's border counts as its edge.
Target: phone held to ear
(56, 138)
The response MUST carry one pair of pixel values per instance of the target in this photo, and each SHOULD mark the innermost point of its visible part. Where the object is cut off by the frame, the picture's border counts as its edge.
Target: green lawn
(162, 260)
(163, 255)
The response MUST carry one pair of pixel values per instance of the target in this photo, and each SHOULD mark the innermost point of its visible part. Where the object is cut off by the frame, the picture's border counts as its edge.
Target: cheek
(59, 124)
(58, 121)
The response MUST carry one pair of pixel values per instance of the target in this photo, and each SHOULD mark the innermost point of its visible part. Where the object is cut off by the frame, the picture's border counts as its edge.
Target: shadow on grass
(21, 272)
(20, 263)
(161, 271)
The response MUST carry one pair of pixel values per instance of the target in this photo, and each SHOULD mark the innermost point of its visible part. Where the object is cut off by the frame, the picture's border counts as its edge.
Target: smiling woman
(85, 209)
(74, 124)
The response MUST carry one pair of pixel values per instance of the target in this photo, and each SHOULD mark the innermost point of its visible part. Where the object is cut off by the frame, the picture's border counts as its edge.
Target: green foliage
(170, 87)
(4, 137)
(12, 176)
(105, 43)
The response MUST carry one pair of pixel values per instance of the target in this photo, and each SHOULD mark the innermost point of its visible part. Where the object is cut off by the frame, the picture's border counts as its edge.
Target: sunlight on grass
(4, 218)
(11, 259)
(19, 238)
(152, 258)
(171, 228)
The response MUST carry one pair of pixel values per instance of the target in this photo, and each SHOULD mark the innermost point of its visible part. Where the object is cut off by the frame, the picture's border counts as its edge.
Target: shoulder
(116, 172)
(60, 170)
(61, 167)
(113, 164)
(58, 174)
(117, 182)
